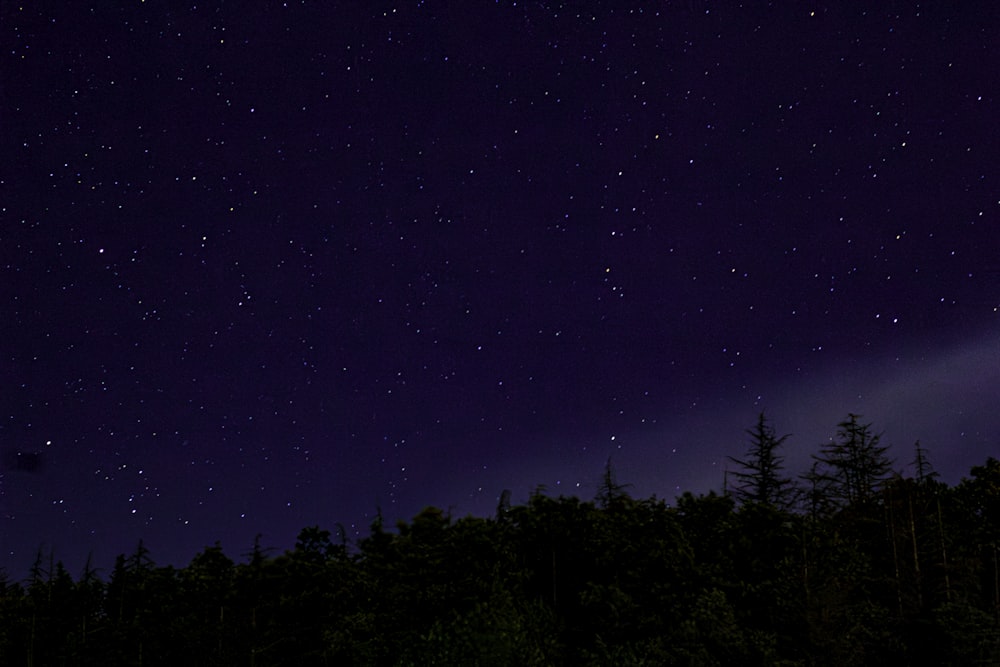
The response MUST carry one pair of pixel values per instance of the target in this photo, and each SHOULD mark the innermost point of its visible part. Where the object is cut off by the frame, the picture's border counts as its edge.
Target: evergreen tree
(611, 492)
(853, 466)
(761, 480)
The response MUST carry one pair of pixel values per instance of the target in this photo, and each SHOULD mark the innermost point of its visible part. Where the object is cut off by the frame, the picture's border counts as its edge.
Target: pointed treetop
(760, 479)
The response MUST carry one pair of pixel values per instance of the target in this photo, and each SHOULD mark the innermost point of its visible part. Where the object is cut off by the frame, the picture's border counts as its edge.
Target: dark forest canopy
(850, 565)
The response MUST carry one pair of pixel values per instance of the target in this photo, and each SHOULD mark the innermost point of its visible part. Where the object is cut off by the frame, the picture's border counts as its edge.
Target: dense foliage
(864, 568)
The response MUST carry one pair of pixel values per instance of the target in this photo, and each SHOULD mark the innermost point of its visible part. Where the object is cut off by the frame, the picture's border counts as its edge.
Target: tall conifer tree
(854, 465)
(760, 479)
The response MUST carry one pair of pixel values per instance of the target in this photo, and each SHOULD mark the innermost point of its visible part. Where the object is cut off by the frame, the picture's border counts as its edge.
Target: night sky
(267, 265)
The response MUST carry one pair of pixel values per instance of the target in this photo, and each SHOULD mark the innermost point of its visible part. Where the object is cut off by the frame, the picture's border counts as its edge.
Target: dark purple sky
(266, 265)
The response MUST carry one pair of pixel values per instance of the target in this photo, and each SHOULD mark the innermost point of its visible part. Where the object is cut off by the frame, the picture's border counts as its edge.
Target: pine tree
(610, 492)
(854, 465)
(760, 480)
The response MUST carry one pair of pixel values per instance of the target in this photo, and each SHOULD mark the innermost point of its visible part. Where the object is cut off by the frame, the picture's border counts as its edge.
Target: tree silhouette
(922, 465)
(611, 492)
(906, 573)
(760, 480)
(853, 466)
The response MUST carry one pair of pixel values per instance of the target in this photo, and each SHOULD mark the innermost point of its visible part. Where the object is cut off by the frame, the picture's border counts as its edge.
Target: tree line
(851, 564)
